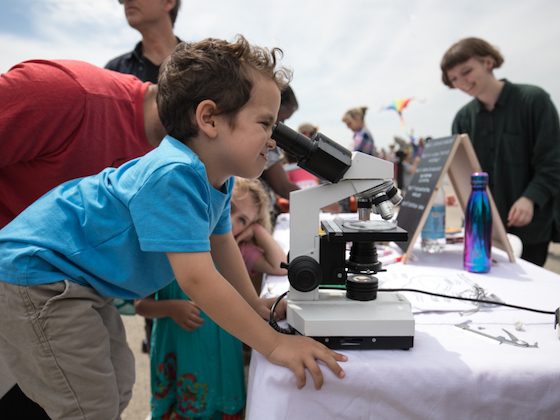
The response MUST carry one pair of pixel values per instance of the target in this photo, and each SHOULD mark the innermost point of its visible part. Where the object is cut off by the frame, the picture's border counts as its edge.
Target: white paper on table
(444, 282)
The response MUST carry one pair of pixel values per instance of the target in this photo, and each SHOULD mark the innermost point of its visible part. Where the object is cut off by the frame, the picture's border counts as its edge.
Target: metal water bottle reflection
(477, 257)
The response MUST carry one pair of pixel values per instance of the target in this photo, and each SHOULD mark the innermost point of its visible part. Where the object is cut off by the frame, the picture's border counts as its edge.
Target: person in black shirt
(515, 132)
(154, 20)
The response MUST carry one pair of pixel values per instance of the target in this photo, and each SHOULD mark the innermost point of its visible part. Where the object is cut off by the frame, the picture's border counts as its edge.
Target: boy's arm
(228, 259)
(199, 279)
(273, 254)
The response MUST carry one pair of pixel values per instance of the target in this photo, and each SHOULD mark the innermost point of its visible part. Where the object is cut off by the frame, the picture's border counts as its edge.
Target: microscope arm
(365, 173)
(305, 208)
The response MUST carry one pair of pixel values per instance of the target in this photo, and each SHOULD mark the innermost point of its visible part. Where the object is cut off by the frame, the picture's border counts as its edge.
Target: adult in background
(154, 19)
(274, 176)
(515, 132)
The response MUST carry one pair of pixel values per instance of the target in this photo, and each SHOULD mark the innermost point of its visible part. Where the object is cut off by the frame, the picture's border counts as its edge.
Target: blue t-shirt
(111, 231)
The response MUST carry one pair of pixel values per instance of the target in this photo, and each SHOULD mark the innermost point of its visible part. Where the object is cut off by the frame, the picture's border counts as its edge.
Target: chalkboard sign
(453, 156)
(426, 180)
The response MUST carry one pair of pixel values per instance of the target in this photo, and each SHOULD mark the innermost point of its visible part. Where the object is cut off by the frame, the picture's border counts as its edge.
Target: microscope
(333, 299)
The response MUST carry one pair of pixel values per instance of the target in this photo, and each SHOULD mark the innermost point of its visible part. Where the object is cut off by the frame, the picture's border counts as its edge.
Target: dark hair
(173, 12)
(465, 49)
(212, 69)
(288, 104)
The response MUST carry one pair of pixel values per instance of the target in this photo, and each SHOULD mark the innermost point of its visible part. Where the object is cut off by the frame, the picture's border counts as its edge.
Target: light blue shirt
(111, 231)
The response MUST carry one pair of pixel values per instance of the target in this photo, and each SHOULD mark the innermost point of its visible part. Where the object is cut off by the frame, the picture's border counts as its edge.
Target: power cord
(491, 302)
(272, 322)
(290, 330)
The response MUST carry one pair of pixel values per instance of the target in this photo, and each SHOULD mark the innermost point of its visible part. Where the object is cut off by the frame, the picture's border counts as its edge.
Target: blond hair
(254, 188)
(355, 113)
(308, 128)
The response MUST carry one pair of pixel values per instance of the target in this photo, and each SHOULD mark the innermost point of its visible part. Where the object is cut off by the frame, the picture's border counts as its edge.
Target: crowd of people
(154, 180)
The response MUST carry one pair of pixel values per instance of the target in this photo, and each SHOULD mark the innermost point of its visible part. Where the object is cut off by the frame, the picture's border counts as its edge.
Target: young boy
(129, 231)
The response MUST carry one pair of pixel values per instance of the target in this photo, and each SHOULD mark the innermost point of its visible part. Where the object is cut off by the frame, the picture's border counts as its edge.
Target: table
(449, 373)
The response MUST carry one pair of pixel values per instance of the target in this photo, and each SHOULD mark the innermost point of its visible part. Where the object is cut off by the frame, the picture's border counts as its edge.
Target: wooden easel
(458, 162)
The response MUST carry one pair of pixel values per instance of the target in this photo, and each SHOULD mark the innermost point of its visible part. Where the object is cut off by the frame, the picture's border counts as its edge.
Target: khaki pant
(66, 347)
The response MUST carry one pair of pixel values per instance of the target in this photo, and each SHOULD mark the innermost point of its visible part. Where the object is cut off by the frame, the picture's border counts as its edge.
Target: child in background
(363, 140)
(196, 368)
(250, 225)
(130, 231)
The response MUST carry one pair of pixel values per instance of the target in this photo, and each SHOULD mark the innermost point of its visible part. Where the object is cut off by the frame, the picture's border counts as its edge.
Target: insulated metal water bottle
(477, 256)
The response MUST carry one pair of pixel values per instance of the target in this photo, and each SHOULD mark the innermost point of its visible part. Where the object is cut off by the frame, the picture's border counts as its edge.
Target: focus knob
(304, 273)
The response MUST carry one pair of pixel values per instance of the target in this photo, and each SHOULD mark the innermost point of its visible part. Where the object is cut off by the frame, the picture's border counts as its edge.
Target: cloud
(344, 54)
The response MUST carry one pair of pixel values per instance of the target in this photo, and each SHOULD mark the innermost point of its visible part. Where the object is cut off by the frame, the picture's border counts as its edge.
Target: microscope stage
(342, 323)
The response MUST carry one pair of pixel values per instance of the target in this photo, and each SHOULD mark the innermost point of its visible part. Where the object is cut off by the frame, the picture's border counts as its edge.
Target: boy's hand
(266, 304)
(298, 353)
(185, 314)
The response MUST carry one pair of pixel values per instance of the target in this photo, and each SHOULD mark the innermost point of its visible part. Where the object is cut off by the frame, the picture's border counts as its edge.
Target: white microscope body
(383, 321)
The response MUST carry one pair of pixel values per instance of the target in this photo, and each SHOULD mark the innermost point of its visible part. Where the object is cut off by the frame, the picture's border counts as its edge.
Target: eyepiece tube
(292, 141)
(319, 155)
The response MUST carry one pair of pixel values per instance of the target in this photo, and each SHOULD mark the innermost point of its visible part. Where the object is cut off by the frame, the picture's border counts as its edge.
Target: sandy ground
(139, 407)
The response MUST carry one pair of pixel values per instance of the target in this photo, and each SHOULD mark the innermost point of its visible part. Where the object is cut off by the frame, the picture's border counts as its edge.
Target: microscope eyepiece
(292, 141)
(319, 155)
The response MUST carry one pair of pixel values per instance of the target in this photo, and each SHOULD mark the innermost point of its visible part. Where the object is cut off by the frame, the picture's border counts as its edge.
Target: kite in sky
(398, 106)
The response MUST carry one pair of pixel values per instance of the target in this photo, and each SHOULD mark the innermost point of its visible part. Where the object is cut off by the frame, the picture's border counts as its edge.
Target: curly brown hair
(212, 69)
(465, 49)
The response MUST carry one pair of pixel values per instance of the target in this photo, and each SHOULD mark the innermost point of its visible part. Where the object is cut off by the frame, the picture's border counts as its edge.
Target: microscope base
(341, 323)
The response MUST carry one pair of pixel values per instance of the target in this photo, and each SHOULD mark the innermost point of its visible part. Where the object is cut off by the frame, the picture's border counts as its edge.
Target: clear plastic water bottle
(477, 257)
(433, 232)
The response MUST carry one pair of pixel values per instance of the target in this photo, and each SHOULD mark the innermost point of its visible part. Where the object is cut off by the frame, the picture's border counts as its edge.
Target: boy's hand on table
(185, 313)
(299, 353)
(266, 305)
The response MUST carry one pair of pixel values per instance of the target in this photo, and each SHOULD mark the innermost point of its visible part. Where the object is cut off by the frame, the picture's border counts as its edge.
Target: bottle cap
(479, 178)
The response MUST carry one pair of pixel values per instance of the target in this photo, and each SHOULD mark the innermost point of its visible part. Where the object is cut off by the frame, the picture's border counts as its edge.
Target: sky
(343, 53)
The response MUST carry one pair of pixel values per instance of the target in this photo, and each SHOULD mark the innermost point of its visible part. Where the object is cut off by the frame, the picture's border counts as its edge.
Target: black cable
(272, 322)
(290, 330)
(492, 302)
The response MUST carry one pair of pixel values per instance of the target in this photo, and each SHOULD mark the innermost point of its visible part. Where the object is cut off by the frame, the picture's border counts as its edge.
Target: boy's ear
(206, 117)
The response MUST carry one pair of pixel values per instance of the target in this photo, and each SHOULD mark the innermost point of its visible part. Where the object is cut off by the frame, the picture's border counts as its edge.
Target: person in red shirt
(61, 120)
(65, 119)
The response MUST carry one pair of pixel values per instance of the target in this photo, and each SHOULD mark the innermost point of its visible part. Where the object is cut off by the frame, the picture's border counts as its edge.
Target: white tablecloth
(449, 373)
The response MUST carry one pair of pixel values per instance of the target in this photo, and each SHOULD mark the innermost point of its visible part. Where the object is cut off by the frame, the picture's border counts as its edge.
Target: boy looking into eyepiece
(129, 231)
